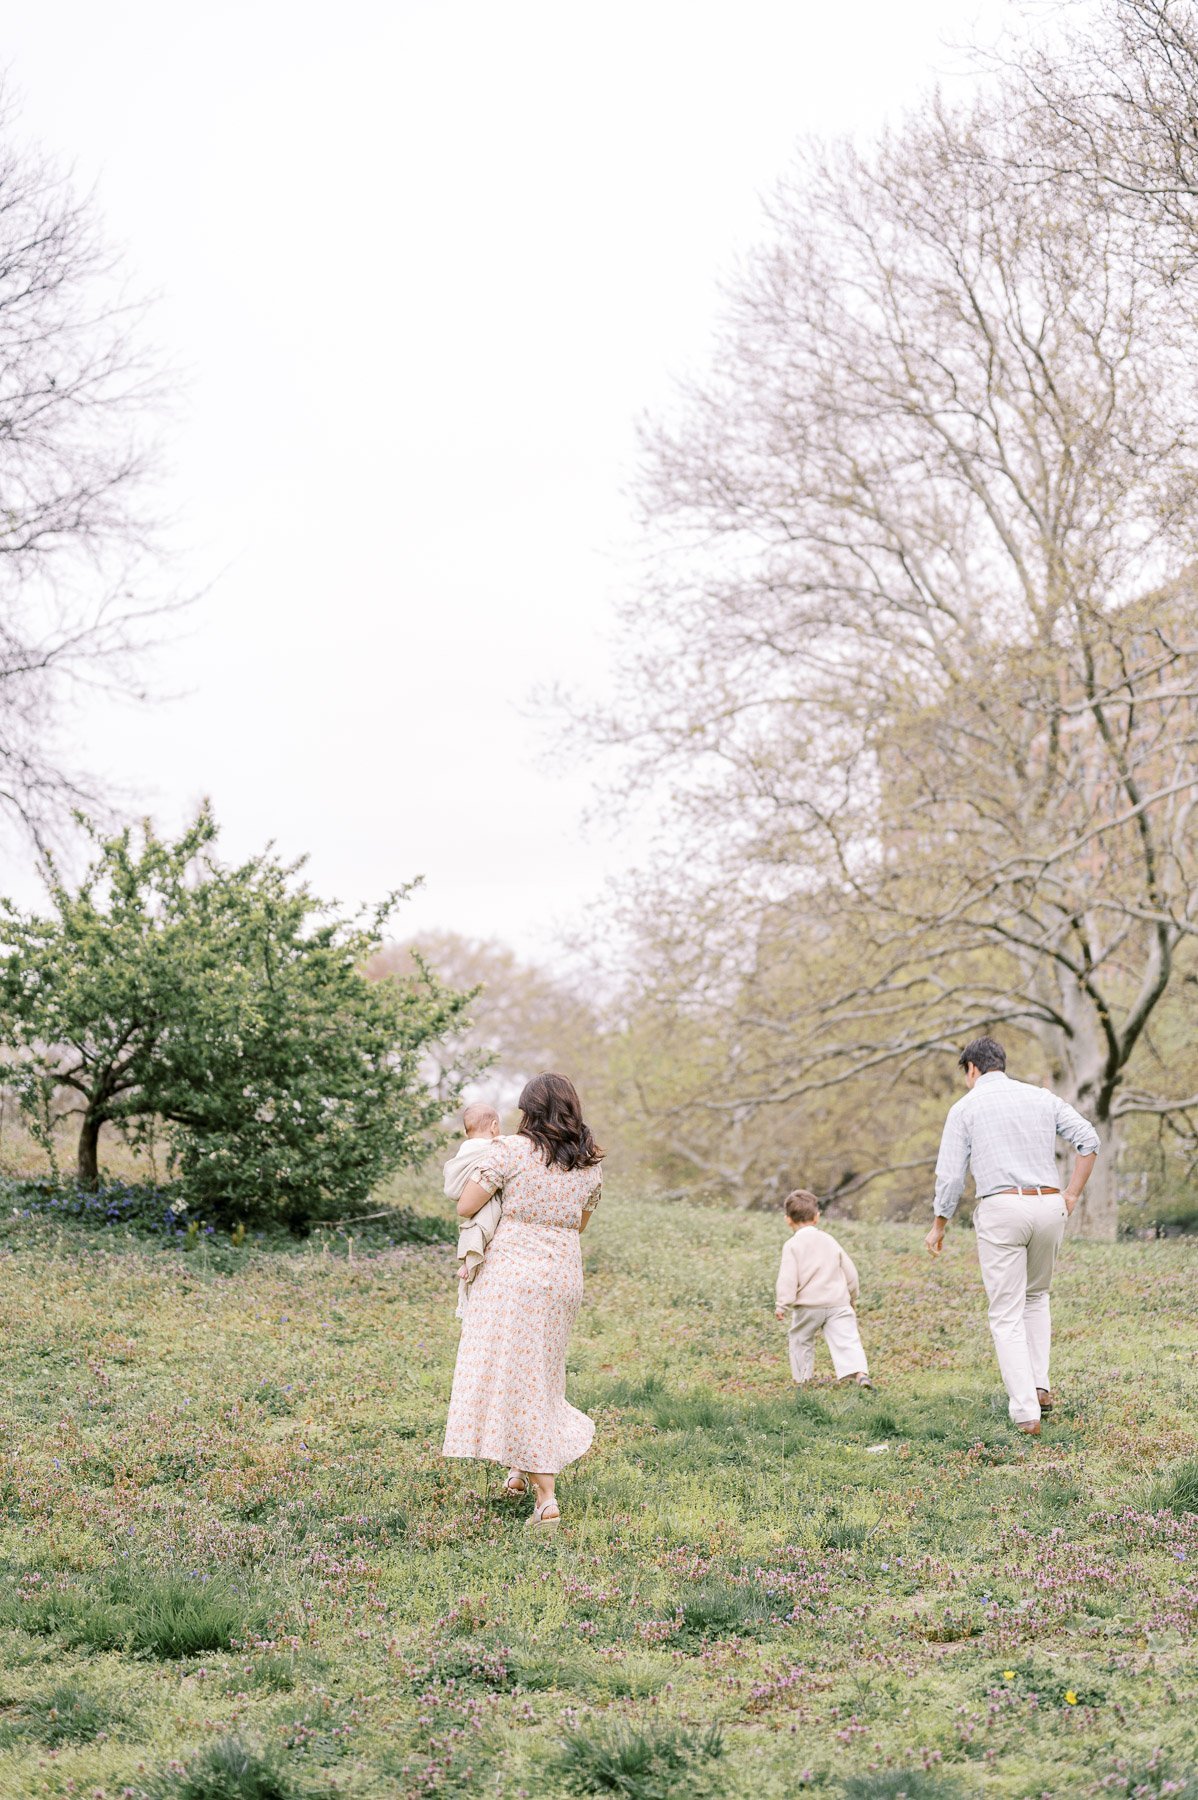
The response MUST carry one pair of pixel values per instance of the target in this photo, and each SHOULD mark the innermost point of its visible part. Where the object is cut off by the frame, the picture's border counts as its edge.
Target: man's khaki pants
(839, 1325)
(1018, 1238)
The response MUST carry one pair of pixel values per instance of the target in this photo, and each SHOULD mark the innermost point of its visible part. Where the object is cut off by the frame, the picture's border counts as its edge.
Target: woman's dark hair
(985, 1053)
(551, 1118)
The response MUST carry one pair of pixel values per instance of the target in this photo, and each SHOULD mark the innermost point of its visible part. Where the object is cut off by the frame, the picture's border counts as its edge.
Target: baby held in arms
(481, 1125)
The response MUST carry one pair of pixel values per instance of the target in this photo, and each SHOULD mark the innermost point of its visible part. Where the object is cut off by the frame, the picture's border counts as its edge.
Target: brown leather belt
(1025, 1190)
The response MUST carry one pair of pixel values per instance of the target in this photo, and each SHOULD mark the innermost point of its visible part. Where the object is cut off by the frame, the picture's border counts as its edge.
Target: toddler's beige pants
(839, 1326)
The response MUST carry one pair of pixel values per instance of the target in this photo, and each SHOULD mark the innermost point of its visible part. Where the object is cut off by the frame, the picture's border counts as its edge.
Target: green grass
(646, 1762)
(896, 1784)
(1179, 1491)
(67, 1713)
(137, 1611)
(233, 1565)
(226, 1770)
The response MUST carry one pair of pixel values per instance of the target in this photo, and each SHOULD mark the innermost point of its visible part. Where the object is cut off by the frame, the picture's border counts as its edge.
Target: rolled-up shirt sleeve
(1075, 1130)
(952, 1164)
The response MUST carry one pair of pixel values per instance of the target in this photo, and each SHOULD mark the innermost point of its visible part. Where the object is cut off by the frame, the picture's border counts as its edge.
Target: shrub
(143, 1206)
(648, 1762)
(165, 1211)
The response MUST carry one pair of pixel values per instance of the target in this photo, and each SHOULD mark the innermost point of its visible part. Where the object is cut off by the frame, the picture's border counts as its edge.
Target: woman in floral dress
(509, 1387)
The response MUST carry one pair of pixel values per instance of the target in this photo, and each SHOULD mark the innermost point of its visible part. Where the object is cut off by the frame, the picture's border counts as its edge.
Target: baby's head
(480, 1120)
(801, 1208)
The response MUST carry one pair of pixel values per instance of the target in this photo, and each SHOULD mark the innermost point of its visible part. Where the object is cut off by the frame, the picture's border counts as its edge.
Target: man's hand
(935, 1237)
(1071, 1199)
(779, 1312)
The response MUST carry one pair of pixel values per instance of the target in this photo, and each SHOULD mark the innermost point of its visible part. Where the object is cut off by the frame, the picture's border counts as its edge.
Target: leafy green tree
(88, 991)
(232, 1005)
(293, 1083)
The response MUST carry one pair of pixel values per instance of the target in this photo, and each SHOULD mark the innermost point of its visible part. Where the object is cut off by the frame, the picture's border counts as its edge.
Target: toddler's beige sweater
(815, 1271)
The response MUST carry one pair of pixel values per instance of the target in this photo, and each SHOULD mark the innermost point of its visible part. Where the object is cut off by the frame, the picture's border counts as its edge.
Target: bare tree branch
(79, 568)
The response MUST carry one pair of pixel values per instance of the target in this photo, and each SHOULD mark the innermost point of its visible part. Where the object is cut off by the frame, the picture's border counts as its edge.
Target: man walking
(1006, 1131)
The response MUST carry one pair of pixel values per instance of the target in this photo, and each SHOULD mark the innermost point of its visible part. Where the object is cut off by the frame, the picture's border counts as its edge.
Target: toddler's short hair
(477, 1116)
(801, 1207)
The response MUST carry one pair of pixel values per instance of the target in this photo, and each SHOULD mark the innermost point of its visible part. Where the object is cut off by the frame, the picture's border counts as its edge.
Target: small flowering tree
(230, 1006)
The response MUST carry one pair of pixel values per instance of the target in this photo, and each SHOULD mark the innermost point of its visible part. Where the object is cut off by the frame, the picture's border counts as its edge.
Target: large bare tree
(1116, 98)
(920, 670)
(77, 403)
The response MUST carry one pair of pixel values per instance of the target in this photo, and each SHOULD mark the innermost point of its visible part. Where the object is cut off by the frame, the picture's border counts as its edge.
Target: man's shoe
(1046, 1400)
(864, 1381)
(1030, 1426)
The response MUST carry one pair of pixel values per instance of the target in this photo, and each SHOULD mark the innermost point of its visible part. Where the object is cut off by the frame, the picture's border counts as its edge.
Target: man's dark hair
(985, 1053)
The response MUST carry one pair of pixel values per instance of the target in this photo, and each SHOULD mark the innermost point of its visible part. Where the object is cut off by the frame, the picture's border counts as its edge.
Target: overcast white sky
(423, 263)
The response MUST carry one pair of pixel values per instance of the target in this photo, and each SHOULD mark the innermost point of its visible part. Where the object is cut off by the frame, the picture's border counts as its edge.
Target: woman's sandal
(545, 1514)
(516, 1487)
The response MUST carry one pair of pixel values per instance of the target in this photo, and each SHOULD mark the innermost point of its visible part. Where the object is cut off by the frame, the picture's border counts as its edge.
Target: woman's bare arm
(589, 1207)
(474, 1198)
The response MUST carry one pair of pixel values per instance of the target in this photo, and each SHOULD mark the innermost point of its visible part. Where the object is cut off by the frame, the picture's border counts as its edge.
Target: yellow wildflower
(1008, 1674)
(1071, 1698)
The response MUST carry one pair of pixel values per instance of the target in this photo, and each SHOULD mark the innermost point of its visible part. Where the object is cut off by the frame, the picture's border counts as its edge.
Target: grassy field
(235, 1567)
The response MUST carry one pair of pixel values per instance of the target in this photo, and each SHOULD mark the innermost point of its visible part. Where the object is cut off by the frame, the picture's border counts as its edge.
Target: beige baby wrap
(476, 1233)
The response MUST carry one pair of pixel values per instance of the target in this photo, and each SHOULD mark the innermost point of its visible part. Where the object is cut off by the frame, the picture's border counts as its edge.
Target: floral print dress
(509, 1386)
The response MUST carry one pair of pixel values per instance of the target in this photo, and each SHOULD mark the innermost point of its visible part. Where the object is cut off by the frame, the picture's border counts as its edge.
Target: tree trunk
(89, 1146)
(1097, 1213)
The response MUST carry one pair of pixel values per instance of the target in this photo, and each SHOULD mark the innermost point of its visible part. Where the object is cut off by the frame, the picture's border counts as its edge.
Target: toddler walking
(481, 1125)
(818, 1284)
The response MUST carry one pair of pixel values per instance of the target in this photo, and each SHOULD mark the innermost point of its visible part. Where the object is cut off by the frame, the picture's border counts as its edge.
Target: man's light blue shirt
(1006, 1131)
